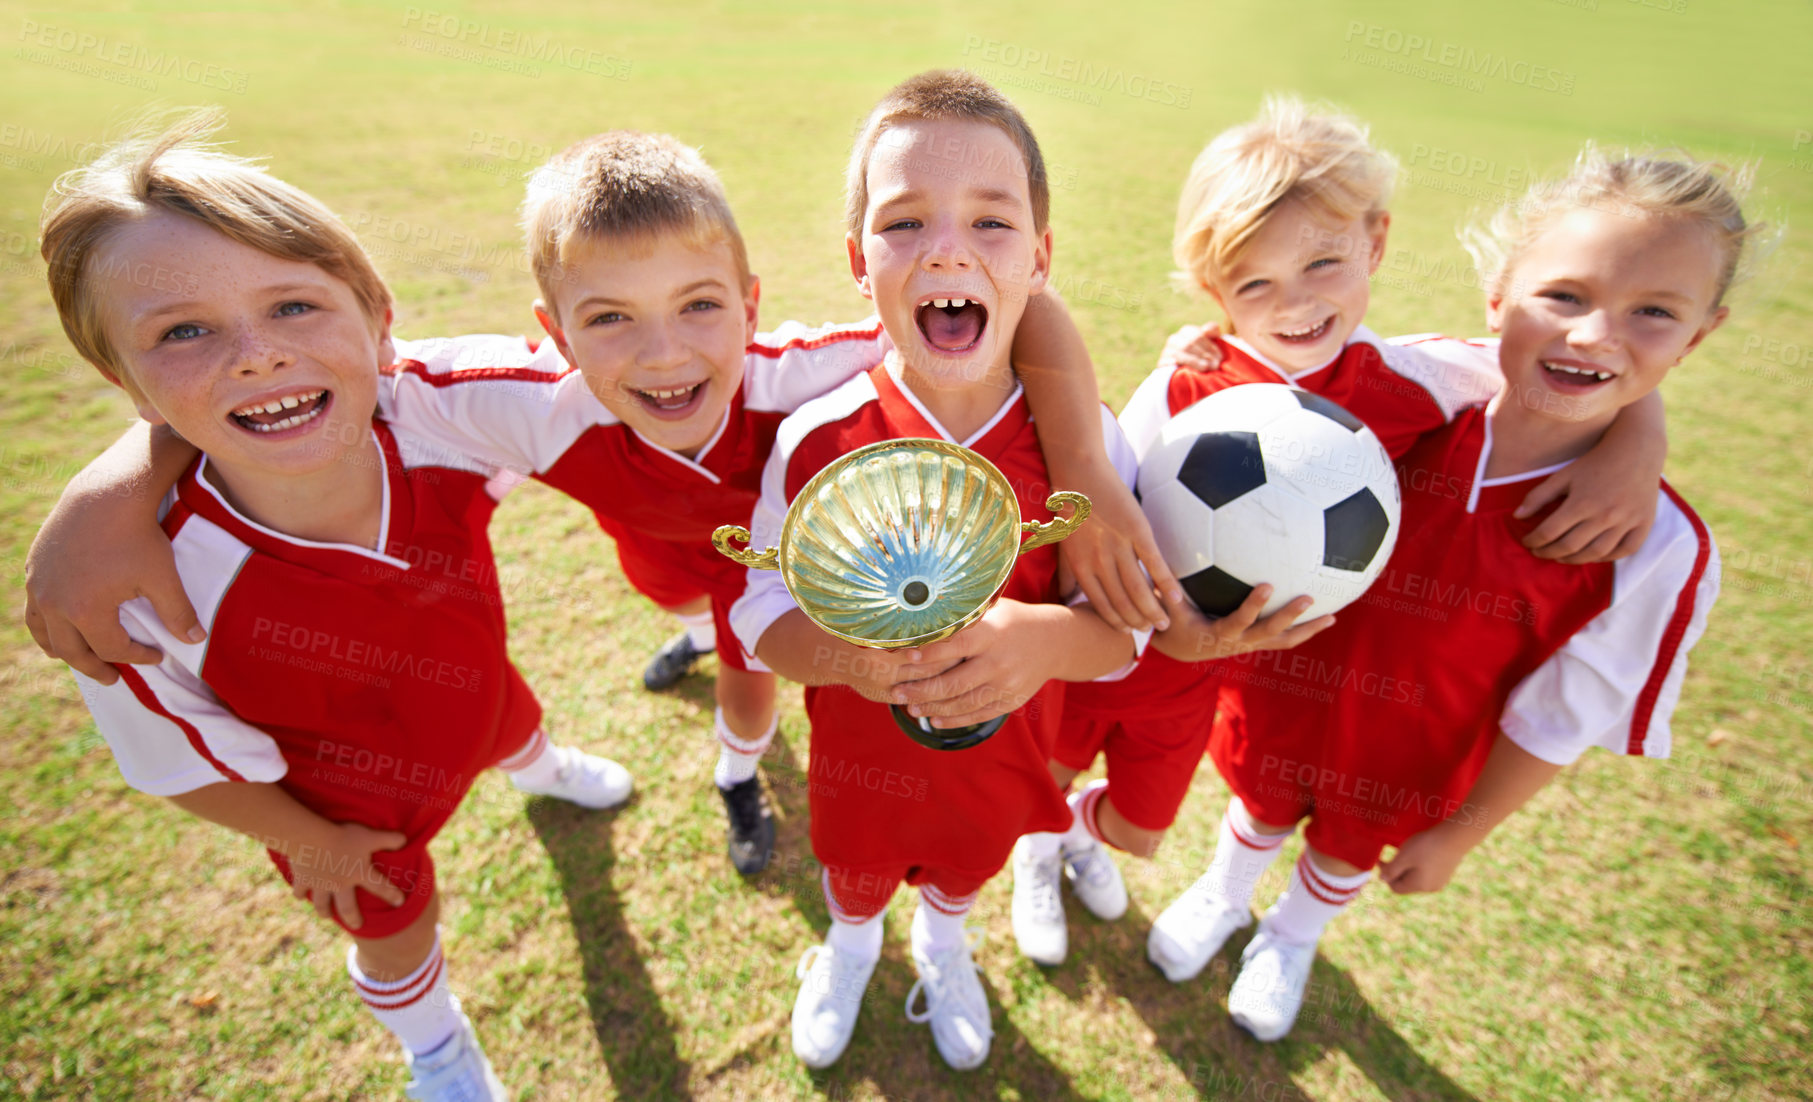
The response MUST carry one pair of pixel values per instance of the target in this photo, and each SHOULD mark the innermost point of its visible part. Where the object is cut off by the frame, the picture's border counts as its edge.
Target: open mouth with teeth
(1308, 334)
(1574, 377)
(951, 324)
(671, 401)
(281, 414)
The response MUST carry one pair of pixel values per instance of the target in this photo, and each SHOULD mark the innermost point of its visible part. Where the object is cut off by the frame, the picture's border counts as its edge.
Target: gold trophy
(903, 543)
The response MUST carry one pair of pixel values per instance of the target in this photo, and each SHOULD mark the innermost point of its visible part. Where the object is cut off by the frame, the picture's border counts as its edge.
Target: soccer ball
(1268, 483)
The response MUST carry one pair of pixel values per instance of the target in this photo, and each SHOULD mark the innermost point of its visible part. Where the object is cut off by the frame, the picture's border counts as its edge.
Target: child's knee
(399, 954)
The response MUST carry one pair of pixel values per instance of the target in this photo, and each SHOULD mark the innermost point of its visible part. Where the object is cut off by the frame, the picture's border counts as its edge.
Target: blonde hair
(1666, 184)
(935, 96)
(1291, 151)
(175, 168)
(629, 186)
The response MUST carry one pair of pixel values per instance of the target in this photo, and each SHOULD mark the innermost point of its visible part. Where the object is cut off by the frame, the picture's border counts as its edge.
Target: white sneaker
(584, 779)
(1188, 933)
(1096, 880)
(830, 995)
(1269, 990)
(955, 1004)
(455, 1072)
(1038, 910)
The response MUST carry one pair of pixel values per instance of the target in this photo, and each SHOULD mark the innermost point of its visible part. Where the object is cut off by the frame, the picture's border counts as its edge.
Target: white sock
(938, 921)
(417, 1008)
(1083, 834)
(1312, 898)
(1242, 855)
(737, 757)
(536, 766)
(1044, 844)
(700, 629)
(859, 937)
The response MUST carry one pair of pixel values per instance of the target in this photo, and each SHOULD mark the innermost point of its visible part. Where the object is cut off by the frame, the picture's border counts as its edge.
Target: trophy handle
(757, 560)
(1037, 534)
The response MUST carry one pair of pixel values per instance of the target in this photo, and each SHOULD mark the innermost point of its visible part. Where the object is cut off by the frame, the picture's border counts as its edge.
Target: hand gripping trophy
(903, 543)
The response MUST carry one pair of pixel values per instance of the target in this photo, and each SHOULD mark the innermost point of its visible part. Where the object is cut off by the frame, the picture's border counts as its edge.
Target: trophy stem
(945, 738)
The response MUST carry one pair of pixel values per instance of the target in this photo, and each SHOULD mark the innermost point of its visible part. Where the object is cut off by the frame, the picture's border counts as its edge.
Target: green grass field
(1642, 931)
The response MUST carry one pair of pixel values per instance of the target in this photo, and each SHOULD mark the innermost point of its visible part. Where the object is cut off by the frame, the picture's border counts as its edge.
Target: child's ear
(554, 331)
(751, 299)
(387, 347)
(1041, 264)
(1375, 233)
(859, 266)
(1713, 321)
(1495, 311)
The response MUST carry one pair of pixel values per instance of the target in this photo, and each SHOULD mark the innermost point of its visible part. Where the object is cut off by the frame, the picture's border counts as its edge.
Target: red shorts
(651, 567)
(1357, 803)
(410, 869)
(1150, 761)
(419, 816)
(855, 895)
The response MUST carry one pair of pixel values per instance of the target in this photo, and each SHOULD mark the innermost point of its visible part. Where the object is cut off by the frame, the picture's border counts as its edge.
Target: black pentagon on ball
(1215, 591)
(1353, 531)
(1334, 411)
(1223, 465)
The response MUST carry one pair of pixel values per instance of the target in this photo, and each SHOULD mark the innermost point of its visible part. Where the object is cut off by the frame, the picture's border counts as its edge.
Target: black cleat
(674, 660)
(751, 825)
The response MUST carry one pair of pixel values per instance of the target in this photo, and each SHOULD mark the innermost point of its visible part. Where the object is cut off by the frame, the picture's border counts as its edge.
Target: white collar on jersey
(383, 519)
(697, 463)
(1361, 335)
(895, 373)
(1480, 481)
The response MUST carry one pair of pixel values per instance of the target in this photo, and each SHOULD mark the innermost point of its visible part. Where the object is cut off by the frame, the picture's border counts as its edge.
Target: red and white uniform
(1378, 727)
(1152, 726)
(885, 808)
(523, 407)
(373, 686)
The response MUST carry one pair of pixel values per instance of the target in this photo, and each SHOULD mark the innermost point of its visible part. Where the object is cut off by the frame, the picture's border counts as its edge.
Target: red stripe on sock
(1253, 842)
(1086, 808)
(838, 911)
(530, 752)
(412, 993)
(954, 909)
(1322, 889)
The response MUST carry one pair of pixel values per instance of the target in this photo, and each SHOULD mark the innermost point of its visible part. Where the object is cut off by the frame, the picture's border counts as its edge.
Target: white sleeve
(489, 398)
(765, 598)
(168, 732)
(1456, 373)
(1616, 682)
(1120, 453)
(796, 363)
(1146, 412)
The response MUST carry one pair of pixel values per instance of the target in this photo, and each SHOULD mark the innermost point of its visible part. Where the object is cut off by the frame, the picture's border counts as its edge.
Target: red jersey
(373, 686)
(1379, 726)
(1400, 388)
(520, 405)
(879, 800)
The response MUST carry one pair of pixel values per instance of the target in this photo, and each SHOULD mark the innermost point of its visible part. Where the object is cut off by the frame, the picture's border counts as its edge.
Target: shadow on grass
(635, 1033)
(1217, 1057)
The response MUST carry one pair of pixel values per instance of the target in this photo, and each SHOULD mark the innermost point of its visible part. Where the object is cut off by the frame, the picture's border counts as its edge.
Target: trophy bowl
(903, 543)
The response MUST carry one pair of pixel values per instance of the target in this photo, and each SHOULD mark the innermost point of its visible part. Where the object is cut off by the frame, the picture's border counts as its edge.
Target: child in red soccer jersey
(1598, 283)
(655, 402)
(1282, 221)
(947, 235)
(346, 696)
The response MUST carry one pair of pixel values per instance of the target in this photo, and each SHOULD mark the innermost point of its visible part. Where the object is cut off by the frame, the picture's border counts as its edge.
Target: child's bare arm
(1005, 657)
(327, 859)
(1193, 637)
(1105, 555)
(102, 546)
(800, 651)
(1426, 861)
(1609, 494)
